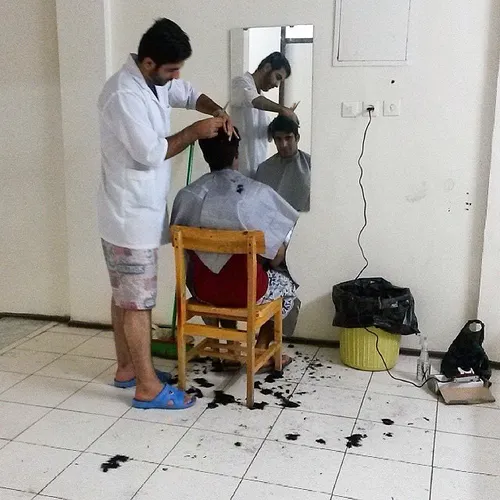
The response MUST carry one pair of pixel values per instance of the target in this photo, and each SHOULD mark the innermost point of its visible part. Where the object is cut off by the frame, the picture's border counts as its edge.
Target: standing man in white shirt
(249, 106)
(136, 147)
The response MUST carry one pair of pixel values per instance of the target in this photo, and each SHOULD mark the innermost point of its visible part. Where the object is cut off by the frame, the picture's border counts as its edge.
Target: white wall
(85, 64)
(419, 167)
(298, 88)
(33, 260)
(489, 310)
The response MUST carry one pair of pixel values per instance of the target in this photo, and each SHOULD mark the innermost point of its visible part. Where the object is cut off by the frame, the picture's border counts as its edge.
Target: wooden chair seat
(263, 312)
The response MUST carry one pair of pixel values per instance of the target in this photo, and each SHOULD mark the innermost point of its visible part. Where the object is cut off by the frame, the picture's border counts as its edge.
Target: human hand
(228, 124)
(290, 113)
(208, 128)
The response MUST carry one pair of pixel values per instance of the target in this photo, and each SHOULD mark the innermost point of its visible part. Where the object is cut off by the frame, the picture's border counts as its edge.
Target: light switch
(392, 108)
(351, 109)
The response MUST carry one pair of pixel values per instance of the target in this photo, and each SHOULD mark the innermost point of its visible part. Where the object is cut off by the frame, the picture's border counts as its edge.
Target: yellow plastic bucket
(358, 348)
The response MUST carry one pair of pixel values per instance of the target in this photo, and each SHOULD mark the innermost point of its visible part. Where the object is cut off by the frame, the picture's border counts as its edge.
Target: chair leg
(250, 369)
(181, 356)
(278, 338)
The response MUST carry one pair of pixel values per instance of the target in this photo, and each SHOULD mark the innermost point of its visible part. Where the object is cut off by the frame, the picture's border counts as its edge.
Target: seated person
(289, 171)
(226, 199)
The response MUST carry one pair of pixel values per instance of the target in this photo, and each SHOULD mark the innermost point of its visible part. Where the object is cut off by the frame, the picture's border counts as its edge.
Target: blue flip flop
(170, 398)
(164, 377)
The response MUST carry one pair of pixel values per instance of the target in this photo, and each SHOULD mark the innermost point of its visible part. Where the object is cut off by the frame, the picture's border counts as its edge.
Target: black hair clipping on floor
(114, 462)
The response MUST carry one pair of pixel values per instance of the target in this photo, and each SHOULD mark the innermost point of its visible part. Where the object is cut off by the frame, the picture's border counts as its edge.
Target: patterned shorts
(133, 276)
(280, 284)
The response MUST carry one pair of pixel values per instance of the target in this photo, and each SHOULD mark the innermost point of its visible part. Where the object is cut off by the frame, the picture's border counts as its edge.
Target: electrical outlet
(376, 106)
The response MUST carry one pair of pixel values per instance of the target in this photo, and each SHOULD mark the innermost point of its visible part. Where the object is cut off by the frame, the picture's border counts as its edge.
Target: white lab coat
(251, 122)
(135, 177)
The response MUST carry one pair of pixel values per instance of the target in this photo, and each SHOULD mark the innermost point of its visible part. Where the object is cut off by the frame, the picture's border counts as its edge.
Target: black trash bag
(466, 352)
(375, 302)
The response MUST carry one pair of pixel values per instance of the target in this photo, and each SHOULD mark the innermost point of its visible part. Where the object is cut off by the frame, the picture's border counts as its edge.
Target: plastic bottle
(423, 363)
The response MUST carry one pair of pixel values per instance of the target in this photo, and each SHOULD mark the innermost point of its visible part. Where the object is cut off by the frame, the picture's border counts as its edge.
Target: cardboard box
(466, 391)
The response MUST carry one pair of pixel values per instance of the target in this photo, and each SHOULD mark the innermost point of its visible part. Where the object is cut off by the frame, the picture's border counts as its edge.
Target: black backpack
(466, 352)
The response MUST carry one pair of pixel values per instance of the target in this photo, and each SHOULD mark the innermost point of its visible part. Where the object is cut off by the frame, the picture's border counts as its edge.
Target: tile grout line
(260, 481)
(196, 470)
(236, 436)
(379, 393)
(10, 387)
(30, 375)
(256, 454)
(62, 471)
(398, 426)
(352, 431)
(53, 352)
(433, 450)
(51, 447)
(186, 430)
(87, 382)
(313, 357)
(58, 408)
(27, 492)
(106, 430)
(57, 359)
(37, 333)
(210, 473)
(51, 408)
(227, 382)
(483, 474)
(178, 441)
(354, 425)
(123, 416)
(82, 452)
(29, 336)
(158, 466)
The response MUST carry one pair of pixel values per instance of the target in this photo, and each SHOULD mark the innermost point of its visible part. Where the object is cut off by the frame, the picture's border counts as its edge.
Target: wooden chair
(241, 343)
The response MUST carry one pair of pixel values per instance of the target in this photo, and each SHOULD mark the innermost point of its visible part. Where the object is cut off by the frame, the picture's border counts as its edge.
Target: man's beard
(155, 79)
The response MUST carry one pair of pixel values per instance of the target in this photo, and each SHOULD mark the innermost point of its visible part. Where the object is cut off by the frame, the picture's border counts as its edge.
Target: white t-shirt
(135, 177)
(251, 122)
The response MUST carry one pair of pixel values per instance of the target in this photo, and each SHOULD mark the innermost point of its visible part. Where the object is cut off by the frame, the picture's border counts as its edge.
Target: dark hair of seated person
(283, 124)
(220, 151)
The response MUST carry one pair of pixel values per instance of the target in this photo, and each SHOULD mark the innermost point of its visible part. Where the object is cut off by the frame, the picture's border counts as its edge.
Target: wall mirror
(274, 93)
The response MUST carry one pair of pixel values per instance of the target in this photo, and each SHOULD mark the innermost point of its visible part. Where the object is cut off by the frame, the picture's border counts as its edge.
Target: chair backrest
(218, 240)
(250, 243)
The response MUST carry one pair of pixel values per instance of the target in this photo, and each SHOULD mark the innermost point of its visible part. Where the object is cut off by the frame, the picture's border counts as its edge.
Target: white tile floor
(60, 419)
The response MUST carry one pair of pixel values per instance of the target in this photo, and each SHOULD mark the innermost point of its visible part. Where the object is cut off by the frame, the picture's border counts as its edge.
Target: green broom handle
(190, 164)
(188, 181)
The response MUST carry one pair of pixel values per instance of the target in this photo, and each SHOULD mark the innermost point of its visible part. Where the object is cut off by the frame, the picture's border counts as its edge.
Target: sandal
(169, 398)
(164, 377)
(285, 361)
